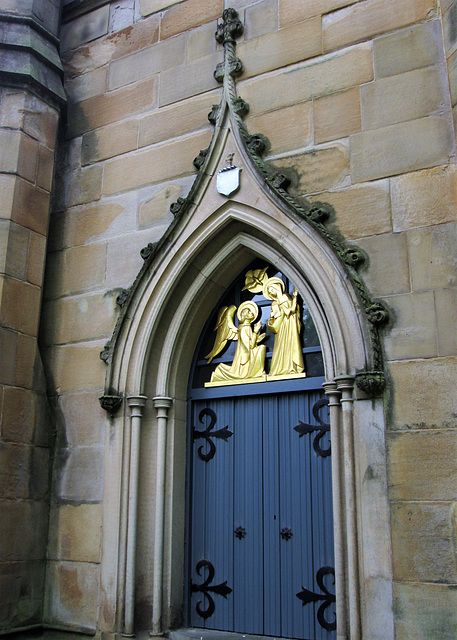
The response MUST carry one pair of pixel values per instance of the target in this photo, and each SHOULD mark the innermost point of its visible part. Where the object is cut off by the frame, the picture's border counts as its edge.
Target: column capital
(162, 402)
(331, 390)
(346, 386)
(136, 404)
(136, 401)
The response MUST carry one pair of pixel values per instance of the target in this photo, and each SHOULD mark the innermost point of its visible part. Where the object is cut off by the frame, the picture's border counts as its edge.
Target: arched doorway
(260, 517)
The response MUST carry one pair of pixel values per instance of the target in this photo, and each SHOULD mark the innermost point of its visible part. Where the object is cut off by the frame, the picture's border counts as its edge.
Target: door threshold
(193, 633)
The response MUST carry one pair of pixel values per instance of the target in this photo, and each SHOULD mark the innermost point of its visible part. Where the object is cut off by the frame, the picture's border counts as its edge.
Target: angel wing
(226, 330)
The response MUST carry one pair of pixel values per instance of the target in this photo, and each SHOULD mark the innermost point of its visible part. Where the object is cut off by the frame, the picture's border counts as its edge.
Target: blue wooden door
(261, 527)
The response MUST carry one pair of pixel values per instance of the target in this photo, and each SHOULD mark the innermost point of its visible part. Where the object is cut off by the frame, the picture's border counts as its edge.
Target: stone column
(31, 93)
(339, 515)
(162, 404)
(136, 404)
(345, 385)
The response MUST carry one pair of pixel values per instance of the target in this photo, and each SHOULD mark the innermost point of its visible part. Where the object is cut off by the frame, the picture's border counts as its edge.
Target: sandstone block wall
(28, 130)
(358, 101)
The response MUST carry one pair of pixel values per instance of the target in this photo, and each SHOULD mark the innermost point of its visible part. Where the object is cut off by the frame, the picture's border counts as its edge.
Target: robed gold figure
(249, 360)
(284, 322)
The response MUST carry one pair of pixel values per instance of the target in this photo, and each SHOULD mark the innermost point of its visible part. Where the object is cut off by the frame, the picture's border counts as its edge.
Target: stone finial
(230, 28)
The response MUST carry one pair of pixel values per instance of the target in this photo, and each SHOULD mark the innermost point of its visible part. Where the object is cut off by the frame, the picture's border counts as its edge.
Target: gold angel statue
(249, 359)
(284, 322)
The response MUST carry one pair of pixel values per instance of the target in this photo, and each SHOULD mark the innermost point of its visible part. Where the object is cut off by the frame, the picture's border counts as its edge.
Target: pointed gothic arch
(212, 239)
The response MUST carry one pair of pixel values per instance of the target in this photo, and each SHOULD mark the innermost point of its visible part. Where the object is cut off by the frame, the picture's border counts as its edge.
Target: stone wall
(357, 101)
(30, 94)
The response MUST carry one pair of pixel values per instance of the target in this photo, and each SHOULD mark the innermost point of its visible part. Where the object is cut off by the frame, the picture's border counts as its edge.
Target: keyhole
(274, 517)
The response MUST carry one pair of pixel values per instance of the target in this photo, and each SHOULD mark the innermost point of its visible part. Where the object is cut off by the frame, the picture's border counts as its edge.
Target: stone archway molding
(212, 238)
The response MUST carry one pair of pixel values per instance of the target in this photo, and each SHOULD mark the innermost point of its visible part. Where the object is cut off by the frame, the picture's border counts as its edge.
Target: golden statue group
(249, 361)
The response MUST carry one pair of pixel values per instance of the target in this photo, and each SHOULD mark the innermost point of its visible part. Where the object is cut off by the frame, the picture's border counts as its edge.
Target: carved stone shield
(228, 180)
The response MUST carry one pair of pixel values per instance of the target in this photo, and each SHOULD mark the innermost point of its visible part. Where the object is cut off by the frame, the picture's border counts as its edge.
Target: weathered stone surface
(408, 49)
(422, 465)
(449, 29)
(337, 115)
(415, 380)
(22, 110)
(99, 53)
(77, 532)
(23, 515)
(367, 19)
(45, 169)
(87, 85)
(21, 593)
(408, 146)
(30, 206)
(112, 140)
(14, 245)
(446, 4)
(18, 415)
(162, 162)
(424, 198)
(290, 11)
(72, 593)
(85, 186)
(452, 70)
(387, 271)
(201, 41)
(25, 360)
(80, 318)
(85, 28)
(147, 62)
(261, 18)
(335, 72)
(76, 269)
(22, 156)
(121, 14)
(14, 471)
(111, 107)
(7, 185)
(124, 260)
(36, 259)
(286, 129)
(39, 475)
(433, 256)
(189, 79)
(77, 367)
(80, 474)
(81, 420)
(82, 224)
(361, 210)
(423, 542)
(405, 96)
(413, 334)
(151, 6)
(446, 305)
(20, 306)
(44, 424)
(281, 48)
(418, 615)
(170, 122)
(8, 343)
(191, 14)
(156, 209)
(316, 170)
